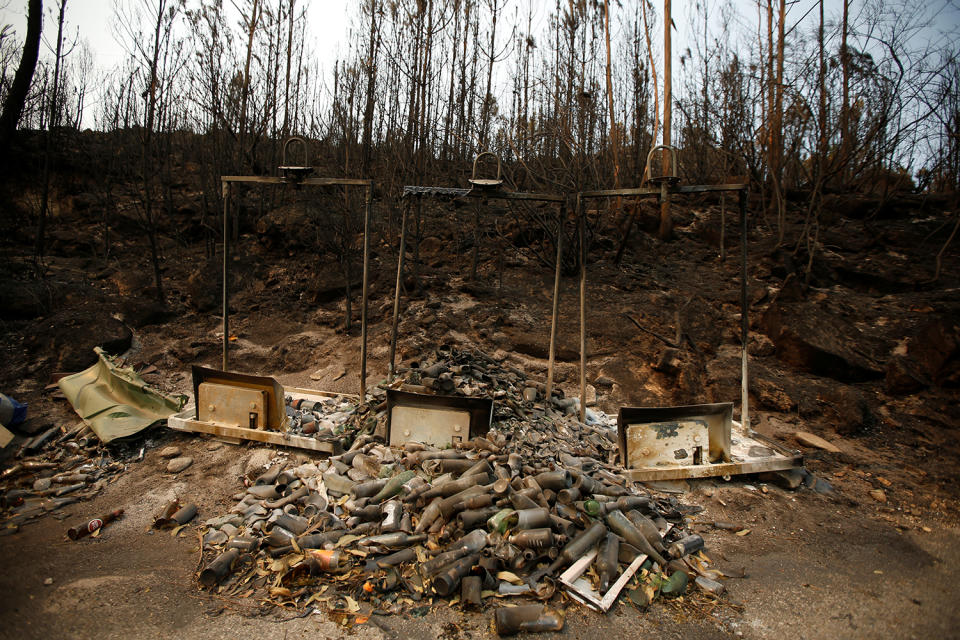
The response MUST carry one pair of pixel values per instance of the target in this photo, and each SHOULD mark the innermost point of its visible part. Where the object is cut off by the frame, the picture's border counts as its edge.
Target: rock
(811, 440)
(170, 452)
(812, 337)
(790, 479)
(760, 345)
(822, 486)
(84, 201)
(26, 299)
(878, 495)
(918, 360)
(791, 290)
(770, 395)
(846, 407)
(42, 484)
(140, 312)
(431, 246)
(179, 464)
(203, 292)
(603, 382)
(669, 361)
(75, 334)
(48, 581)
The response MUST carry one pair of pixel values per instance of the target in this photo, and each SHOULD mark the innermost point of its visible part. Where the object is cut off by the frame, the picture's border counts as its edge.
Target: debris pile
(53, 471)
(325, 419)
(496, 516)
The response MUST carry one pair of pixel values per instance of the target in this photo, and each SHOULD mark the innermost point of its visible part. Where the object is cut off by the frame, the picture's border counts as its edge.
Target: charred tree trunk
(17, 96)
(40, 243)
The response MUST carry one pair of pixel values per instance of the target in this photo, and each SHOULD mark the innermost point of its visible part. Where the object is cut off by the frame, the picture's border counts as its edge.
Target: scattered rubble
(536, 505)
(65, 467)
(381, 530)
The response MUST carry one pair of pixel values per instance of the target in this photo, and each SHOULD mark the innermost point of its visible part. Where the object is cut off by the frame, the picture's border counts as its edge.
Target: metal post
(744, 322)
(556, 302)
(396, 294)
(583, 309)
(226, 271)
(666, 223)
(363, 304)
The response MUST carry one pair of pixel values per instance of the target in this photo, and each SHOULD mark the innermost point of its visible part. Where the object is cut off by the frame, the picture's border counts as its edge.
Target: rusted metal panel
(675, 436)
(695, 441)
(114, 401)
(183, 422)
(655, 191)
(227, 404)
(435, 419)
(225, 398)
(310, 182)
(235, 425)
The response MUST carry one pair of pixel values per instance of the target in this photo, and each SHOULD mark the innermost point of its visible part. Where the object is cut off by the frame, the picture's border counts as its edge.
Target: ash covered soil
(865, 356)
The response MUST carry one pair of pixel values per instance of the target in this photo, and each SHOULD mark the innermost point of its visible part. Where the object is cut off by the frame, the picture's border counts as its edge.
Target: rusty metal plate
(272, 414)
(186, 421)
(668, 444)
(438, 420)
(438, 426)
(691, 435)
(227, 404)
(678, 442)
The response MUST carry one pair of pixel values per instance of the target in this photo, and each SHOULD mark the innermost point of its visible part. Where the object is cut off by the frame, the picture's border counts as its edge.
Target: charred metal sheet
(490, 192)
(435, 419)
(187, 421)
(675, 436)
(696, 441)
(438, 192)
(238, 400)
(114, 401)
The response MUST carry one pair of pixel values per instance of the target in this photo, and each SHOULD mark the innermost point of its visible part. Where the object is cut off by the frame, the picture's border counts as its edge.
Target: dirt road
(816, 566)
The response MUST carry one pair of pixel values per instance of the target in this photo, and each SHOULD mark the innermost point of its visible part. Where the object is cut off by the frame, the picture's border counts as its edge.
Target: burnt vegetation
(845, 128)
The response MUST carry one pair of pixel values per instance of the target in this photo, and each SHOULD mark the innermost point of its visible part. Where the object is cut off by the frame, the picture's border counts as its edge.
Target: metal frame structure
(667, 187)
(297, 175)
(483, 190)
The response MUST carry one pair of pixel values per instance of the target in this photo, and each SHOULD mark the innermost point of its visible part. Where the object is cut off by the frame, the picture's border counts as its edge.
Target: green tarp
(114, 401)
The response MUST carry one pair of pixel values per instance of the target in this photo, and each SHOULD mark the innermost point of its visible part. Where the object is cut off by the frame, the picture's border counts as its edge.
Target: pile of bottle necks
(421, 521)
(324, 419)
(53, 471)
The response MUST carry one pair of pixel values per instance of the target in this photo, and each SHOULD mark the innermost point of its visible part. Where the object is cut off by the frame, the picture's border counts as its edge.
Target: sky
(328, 20)
(329, 23)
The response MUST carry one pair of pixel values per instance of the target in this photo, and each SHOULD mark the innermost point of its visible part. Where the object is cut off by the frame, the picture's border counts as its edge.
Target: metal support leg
(744, 321)
(583, 309)
(366, 287)
(396, 294)
(225, 186)
(556, 301)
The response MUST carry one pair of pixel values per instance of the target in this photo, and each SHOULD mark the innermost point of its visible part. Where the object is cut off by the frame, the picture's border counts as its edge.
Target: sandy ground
(837, 565)
(815, 565)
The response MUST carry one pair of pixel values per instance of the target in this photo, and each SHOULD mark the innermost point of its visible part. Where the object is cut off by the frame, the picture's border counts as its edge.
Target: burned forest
(470, 319)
